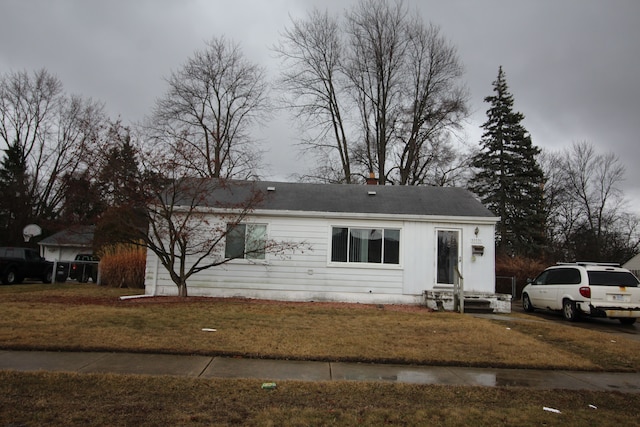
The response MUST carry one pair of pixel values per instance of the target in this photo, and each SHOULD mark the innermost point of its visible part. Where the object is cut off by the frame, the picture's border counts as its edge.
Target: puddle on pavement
(417, 377)
(501, 379)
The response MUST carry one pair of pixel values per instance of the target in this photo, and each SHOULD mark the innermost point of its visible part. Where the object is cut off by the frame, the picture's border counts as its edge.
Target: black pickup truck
(85, 266)
(17, 264)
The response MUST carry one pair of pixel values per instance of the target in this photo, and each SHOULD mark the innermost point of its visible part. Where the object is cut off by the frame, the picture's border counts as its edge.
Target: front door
(448, 257)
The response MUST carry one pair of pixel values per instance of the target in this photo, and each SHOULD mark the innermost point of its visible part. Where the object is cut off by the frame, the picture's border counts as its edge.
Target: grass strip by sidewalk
(87, 317)
(120, 400)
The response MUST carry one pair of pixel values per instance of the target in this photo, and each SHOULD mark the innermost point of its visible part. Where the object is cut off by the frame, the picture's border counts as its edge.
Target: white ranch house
(368, 244)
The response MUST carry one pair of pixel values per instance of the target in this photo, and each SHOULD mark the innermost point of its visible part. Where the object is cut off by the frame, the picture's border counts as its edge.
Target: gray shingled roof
(345, 198)
(79, 235)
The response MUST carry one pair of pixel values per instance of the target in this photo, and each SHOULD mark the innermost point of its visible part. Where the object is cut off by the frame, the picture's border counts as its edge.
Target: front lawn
(88, 317)
(57, 399)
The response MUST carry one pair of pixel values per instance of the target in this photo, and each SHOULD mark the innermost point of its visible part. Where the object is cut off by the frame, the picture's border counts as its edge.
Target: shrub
(123, 265)
(521, 268)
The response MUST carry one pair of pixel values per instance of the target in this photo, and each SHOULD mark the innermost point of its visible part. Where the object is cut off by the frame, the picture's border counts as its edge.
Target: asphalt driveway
(596, 324)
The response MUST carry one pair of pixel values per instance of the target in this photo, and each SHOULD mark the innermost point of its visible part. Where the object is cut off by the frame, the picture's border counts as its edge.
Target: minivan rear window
(612, 278)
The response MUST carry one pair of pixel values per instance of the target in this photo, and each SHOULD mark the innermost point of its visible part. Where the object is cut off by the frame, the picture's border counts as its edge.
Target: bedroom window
(365, 245)
(245, 241)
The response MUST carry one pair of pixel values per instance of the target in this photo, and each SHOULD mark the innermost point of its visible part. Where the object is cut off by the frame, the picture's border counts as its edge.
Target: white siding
(311, 276)
(63, 253)
(634, 265)
(418, 253)
(420, 244)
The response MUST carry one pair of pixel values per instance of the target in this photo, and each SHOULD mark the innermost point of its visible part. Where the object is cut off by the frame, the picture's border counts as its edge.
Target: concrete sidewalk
(278, 370)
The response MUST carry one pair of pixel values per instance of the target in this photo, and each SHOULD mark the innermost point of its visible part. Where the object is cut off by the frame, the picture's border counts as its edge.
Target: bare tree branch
(208, 111)
(587, 216)
(311, 53)
(375, 93)
(53, 130)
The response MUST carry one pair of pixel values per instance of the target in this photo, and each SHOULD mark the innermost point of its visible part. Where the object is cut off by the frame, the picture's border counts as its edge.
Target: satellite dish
(30, 231)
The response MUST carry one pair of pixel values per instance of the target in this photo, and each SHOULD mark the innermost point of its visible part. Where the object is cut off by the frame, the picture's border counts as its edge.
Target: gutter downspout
(155, 275)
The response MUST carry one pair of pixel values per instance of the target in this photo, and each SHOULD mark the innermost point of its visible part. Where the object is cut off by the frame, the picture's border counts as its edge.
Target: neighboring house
(369, 244)
(633, 265)
(66, 244)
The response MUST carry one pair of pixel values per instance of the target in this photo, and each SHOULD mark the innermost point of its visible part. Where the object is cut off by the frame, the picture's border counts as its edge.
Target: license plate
(619, 298)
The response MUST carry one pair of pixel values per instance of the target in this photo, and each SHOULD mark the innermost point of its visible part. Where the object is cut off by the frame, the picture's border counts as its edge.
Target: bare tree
(208, 111)
(313, 81)
(379, 90)
(377, 48)
(434, 105)
(587, 208)
(593, 182)
(53, 131)
(560, 208)
(188, 222)
(441, 165)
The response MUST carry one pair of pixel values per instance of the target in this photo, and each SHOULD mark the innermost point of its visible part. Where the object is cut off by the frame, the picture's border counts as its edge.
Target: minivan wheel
(569, 310)
(526, 303)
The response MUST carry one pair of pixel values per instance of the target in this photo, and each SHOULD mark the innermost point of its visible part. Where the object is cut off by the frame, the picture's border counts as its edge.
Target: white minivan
(590, 289)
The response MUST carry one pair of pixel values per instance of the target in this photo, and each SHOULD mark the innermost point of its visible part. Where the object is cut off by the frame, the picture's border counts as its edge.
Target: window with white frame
(246, 241)
(365, 245)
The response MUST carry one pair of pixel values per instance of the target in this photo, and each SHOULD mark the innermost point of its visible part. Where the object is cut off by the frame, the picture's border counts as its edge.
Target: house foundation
(443, 300)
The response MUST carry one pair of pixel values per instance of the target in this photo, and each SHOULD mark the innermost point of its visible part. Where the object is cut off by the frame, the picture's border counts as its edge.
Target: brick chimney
(372, 179)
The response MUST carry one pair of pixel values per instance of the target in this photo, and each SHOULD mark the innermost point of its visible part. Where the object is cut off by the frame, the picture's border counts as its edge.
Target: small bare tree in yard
(198, 141)
(210, 106)
(192, 224)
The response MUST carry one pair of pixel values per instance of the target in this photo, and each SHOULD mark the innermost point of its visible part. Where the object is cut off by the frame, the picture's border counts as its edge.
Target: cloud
(571, 65)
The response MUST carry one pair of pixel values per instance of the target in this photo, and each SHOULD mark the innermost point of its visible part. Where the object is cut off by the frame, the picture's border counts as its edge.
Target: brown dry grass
(88, 317)
(118, 400)
(123, 265)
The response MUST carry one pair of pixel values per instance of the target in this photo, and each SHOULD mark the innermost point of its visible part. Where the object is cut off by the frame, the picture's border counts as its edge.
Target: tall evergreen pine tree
(509, 180)
(15, 207)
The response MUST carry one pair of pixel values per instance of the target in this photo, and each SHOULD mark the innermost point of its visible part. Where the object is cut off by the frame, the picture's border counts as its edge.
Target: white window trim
(367, 265)
(245, 260)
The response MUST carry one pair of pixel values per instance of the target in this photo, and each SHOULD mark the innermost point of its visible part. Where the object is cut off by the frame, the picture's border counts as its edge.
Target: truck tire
(84, 276)
(10, 277)
(48, 276)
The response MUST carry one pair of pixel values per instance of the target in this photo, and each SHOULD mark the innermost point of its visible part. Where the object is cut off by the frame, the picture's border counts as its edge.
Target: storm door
(448, 256)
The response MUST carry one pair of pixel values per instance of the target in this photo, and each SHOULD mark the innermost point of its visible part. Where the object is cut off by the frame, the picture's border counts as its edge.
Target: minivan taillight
(585, 291)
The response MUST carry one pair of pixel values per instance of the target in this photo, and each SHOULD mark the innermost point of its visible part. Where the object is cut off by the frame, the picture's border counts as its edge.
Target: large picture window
(365, 245)
(245, 241)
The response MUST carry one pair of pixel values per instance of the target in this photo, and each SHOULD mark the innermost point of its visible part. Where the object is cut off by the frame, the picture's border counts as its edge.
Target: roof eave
(362, 215)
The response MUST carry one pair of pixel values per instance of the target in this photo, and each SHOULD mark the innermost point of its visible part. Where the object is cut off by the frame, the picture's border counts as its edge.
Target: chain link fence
(507, 285)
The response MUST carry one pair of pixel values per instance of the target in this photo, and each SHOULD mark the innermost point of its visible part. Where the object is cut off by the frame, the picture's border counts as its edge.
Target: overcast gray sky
(572, 65)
